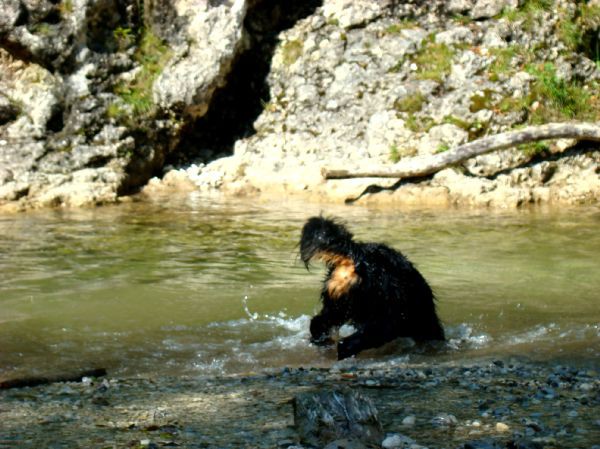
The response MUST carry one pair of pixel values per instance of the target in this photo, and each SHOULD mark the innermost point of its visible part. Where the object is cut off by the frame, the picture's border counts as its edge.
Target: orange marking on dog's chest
(343, 278)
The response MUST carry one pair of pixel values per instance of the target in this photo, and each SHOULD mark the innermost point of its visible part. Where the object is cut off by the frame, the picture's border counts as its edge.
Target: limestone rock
(489, 8)
(215, 37)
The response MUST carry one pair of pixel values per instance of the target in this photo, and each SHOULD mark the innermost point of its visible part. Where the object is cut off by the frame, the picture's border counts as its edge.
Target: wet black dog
(369, 285)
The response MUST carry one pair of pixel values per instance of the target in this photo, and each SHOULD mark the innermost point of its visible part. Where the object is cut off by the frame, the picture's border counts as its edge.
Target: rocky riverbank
(255, 97)
(496, 404)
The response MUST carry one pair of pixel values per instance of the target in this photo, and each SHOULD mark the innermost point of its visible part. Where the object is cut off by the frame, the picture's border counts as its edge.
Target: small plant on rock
(557, 98)
(410, 103)
(434, 61)
(291, 51)
(151, 55)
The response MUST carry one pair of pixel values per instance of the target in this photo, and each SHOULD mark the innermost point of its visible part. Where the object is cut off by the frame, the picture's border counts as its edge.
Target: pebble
(507, 408)
(501, 427)
(409, 421)
(444, 420)
(396, 440)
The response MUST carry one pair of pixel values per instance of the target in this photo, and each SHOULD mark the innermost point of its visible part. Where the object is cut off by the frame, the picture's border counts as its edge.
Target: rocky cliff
(256, 96)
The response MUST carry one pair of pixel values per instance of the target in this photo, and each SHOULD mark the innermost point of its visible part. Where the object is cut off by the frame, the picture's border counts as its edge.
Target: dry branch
(426, 165)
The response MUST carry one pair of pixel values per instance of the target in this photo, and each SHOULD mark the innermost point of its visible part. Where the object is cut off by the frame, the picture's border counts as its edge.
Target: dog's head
(323, 238)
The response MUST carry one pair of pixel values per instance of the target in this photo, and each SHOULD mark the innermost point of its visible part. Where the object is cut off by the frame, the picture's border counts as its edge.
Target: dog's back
(393, 289)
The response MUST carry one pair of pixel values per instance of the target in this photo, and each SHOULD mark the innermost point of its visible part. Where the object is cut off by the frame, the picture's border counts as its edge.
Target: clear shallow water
(198, 287)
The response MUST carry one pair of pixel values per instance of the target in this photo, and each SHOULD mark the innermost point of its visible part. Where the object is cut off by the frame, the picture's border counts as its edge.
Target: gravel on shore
(489, 405)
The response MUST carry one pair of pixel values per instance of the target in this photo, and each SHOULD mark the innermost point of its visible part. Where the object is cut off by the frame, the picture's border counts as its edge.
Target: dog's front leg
(370, 335)
(351, 345)
(320, 329)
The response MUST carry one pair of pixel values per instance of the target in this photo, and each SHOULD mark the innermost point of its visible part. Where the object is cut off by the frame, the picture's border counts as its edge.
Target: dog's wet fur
(369, 285)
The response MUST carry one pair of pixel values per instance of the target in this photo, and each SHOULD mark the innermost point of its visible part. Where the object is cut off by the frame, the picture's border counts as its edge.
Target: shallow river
(202, 287)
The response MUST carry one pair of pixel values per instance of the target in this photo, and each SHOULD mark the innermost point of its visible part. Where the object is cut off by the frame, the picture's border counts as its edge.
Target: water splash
(464, 336)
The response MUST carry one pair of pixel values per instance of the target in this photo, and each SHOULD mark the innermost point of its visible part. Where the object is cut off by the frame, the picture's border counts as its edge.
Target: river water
(204, 287)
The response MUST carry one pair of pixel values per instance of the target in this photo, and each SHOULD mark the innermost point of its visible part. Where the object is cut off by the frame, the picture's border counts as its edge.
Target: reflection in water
(199, 287)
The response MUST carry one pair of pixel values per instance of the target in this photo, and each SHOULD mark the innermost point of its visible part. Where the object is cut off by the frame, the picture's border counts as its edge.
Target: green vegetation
(419, 123)
(529, 13)
(503, 61)
(151, 55)
(533, 148)
(475, 129)
(115, 111)
(545, 96)
(443, 146)
(434, 61)
(396, 153)
(405, 24)
(481, 100)
(579, 31)
(42, 29)
(291, 51)
(550, 98)
(513, 104)
(333, 21)
(410, 103)
(65, 7)
(558, 99)
(462, 19)
(124, 37)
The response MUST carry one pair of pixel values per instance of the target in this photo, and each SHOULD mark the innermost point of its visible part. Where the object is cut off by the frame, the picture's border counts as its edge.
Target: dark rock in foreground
(325, 416)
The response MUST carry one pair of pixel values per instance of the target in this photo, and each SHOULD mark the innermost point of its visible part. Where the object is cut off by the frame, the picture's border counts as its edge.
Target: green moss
(151, 55)
(125, 37)
(462, 19)
(533, 148)
(537, 5)
(42, 29)
(291, 51)
(481, 100)
(442, 147)
(394, 153)
(419, 124)
(65, 7)
(475, 129)
(410, 103)
(405, 24)
(463, 124)
(434, 61)
(503, 64)
(115, 111)
(512, 104)
(398, 153)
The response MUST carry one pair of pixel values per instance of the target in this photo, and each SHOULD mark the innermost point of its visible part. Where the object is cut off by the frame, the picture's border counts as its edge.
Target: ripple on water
(205, 287)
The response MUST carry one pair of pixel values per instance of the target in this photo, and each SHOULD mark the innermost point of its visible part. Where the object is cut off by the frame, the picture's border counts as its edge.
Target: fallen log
(427, 165)
(35, 381)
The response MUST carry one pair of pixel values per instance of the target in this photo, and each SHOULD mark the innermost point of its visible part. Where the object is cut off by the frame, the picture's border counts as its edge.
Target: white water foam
(463, 336)
(260, 341)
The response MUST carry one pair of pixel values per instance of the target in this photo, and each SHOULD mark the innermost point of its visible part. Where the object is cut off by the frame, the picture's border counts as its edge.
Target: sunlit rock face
(251, 97)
